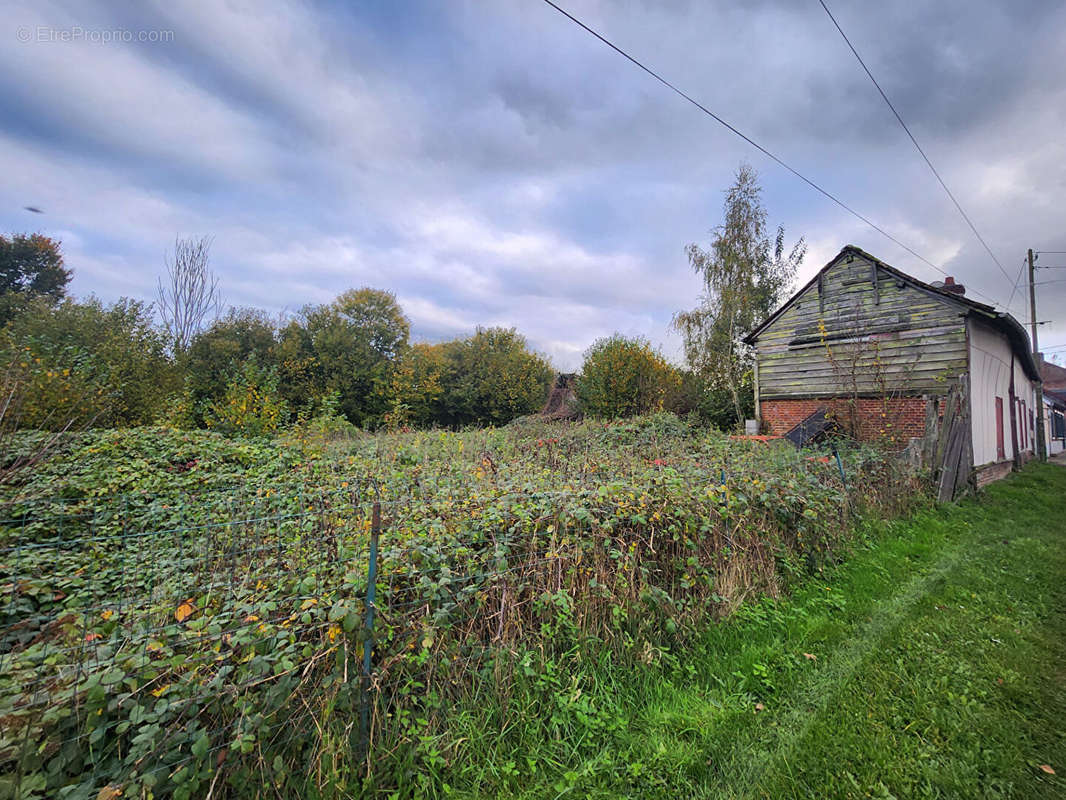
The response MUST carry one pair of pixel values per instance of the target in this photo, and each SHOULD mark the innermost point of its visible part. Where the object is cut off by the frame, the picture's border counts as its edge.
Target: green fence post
(368, 641)
(840, 466)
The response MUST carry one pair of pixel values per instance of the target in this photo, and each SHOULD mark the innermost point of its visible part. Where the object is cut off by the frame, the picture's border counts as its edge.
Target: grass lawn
(931, 664)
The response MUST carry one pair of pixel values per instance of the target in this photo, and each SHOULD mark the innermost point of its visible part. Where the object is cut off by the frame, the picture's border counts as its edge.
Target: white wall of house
(1026, 392)
(1054, 445)
(990, 367)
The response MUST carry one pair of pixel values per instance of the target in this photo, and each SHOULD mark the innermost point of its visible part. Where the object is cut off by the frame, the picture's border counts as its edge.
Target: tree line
(184, 362)
(112, 365)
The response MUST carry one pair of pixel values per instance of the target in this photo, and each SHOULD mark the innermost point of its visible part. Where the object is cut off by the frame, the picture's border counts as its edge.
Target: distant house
(883, 353)
(1054, 378)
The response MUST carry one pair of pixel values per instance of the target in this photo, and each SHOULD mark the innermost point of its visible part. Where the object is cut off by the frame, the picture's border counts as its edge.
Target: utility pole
(1041, 438)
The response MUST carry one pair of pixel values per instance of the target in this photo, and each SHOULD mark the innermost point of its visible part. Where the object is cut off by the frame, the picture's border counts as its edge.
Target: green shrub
(416, 389)
(217, 354)
(104, 366)
(251, 404)
(624, 377)
(493, 377)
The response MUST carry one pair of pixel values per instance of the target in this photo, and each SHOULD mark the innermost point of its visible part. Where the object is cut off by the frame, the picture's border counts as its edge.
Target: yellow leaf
(310, 601)
(159, 692)
(184, 611)
(109, 792)
(106, 615)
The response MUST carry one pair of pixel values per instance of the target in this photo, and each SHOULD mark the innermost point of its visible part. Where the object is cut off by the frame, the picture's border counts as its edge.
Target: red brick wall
(897, 418)
(993, 472)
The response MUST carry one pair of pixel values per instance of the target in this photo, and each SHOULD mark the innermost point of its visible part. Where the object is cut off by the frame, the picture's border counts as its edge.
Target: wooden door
(1000, 452)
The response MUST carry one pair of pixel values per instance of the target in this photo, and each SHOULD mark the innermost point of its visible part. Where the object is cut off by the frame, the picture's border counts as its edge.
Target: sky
(493, 164)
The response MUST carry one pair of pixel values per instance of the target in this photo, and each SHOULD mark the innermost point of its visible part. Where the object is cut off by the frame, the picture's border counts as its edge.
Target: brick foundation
(993, 472)
(895, 419)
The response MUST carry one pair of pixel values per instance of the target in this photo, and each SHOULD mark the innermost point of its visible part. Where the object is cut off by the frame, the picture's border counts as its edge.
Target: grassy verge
(931, 664)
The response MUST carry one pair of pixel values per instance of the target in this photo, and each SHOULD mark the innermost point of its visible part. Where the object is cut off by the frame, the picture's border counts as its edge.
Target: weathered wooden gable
(861, 329)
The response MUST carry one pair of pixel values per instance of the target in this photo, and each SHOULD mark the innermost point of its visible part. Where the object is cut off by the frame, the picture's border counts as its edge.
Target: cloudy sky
(493, 164)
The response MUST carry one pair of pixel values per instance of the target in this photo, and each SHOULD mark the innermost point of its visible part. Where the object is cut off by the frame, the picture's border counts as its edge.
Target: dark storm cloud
(493, 164)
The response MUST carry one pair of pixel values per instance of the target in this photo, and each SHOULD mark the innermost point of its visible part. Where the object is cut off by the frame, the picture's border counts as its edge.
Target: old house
(1054, 378)
(891, 358)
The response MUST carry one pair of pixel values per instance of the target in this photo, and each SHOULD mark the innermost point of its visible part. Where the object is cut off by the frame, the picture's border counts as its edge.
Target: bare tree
(191, 294)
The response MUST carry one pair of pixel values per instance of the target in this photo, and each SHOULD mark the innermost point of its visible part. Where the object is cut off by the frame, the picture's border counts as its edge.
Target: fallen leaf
(1047, 768)
(109, 792)
(184, 611)
(92, 637)
(310, 601)
(810, 656)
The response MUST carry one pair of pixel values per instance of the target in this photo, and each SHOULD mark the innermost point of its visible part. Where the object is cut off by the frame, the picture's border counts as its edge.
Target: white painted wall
(990, 366)
(1054, 446)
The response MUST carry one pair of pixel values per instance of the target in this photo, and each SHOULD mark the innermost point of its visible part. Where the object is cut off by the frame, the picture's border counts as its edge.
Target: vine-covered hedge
(185, 613)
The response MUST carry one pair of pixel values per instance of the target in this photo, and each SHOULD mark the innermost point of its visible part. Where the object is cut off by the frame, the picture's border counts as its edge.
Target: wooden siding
(883, 335)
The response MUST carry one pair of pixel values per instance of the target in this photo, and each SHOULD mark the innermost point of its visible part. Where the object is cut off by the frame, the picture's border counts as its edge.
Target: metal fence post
(368, 641)
(840, 466)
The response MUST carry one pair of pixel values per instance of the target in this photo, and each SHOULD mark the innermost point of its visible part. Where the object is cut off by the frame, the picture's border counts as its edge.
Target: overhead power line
(1042, 283)
(732, 129)
(1017, 282)
(914, 141)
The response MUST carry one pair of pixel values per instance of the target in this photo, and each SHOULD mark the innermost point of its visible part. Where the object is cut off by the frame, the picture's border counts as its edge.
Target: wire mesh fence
(137, 636)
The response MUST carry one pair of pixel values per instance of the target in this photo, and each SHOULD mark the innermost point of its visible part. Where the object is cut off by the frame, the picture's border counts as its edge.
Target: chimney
(951, 286)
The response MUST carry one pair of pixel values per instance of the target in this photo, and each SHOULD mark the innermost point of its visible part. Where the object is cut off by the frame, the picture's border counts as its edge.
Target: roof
(1053, 375)
(1057, 396)
(1000, 320)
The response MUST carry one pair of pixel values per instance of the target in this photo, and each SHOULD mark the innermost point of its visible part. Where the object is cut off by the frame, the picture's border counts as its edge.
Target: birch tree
(745, 276)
